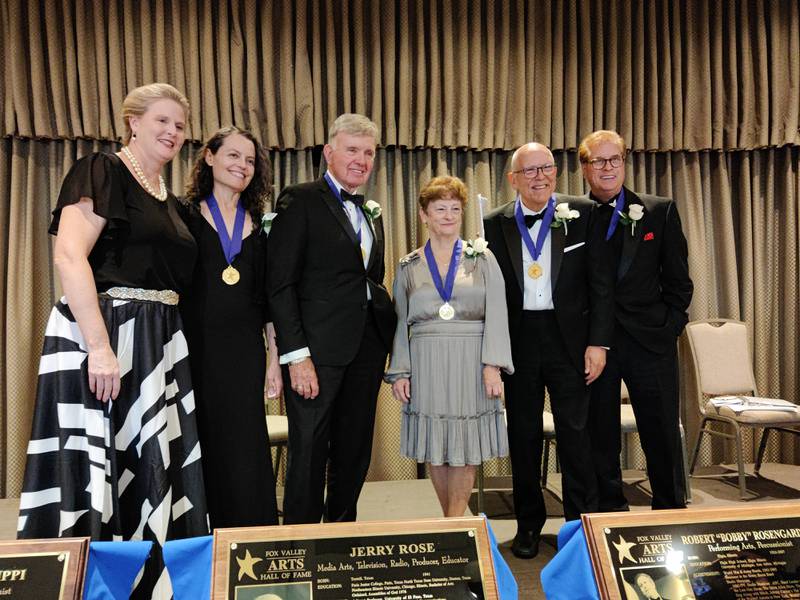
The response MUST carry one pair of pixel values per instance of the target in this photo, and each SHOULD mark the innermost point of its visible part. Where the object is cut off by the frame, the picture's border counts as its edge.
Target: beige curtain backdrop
(706, 93)
(669, 75)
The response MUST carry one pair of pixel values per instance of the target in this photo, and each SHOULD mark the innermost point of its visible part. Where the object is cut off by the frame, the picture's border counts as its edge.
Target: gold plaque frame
(223, 538)
(594, 525)
(72, 552)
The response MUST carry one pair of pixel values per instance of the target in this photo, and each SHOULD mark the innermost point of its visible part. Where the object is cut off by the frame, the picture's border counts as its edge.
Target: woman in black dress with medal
(226, 320)
(114, 452)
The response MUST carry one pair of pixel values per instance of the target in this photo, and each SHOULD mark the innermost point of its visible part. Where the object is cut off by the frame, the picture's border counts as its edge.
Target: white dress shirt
(366, 245)
(538, 293)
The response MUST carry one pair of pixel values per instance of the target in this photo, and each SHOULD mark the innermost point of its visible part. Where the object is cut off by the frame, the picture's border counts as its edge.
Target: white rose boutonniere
(564, 215)
(634, 214)
(476, 247)
(372, 209)
(266, 222)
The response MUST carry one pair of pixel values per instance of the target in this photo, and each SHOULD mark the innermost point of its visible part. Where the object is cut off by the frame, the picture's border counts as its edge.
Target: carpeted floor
(412, 499)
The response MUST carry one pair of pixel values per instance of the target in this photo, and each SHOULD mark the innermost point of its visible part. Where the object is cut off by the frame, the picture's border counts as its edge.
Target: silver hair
(353, 124)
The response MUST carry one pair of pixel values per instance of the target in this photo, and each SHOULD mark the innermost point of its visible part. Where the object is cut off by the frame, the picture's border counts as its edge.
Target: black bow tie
(357, 199)
(604, 206)
(531, 219)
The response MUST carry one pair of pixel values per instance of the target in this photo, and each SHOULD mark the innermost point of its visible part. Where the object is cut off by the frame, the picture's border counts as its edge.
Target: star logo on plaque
(623, 550)
(246, 565)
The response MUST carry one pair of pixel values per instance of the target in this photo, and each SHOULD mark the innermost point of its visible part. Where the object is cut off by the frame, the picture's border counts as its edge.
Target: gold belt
(126, 293)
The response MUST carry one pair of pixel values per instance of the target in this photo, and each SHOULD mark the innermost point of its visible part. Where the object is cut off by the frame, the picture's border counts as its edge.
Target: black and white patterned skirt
(128, 469)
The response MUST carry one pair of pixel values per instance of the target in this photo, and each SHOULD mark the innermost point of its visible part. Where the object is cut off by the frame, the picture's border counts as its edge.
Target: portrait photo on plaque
(656, 583)
(274, 591)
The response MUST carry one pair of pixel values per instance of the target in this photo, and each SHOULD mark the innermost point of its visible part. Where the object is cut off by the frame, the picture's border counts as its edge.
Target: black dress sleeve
(96, 176)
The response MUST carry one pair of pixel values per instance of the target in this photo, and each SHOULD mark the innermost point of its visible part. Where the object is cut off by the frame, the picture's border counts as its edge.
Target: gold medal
(535, 271)
(446, 311)
(230, 275)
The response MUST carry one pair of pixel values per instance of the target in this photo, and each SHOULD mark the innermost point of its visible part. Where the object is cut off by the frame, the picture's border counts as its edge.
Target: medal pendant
(535, 271)
(230, 275)
(446, 311)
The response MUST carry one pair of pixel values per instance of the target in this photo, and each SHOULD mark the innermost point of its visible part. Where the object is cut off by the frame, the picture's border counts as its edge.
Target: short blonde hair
(353, 124)
(139, 100)
(602, 135)
(442, 187)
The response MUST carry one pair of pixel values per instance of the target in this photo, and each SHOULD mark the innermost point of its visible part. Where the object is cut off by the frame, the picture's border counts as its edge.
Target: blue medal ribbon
(338, 195)
(535, 248)
(230, 246)
(445, 288)
(620, 206)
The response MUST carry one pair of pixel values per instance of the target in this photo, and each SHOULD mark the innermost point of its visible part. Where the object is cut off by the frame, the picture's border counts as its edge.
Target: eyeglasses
(531, 172)
(598, 164)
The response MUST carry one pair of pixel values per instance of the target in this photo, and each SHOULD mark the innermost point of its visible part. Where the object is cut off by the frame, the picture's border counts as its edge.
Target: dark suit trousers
(541, 359)
(333, 430)
(652, 381)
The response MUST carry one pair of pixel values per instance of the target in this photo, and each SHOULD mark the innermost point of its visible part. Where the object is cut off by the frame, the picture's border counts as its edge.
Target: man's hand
(304, 379)
(594, 360)
(401, 389)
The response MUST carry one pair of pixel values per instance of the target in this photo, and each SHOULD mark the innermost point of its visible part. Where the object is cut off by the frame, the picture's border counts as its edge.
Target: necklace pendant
(230, 275)
(446, 311)
(535, 271)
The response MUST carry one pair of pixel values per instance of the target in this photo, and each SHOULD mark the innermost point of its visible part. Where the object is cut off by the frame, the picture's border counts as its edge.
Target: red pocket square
(648, 236)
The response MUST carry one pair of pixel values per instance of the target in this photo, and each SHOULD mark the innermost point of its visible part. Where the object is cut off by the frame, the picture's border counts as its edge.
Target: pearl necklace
(137, 169)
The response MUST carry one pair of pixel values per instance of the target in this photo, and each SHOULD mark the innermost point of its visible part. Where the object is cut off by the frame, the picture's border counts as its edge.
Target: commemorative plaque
(750, 552)
(43, 569)
(430, 559)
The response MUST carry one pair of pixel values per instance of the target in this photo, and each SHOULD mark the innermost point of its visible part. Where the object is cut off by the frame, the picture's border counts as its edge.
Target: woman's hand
(104, 378)
(274, 378)
(492, 381)
(401, 389)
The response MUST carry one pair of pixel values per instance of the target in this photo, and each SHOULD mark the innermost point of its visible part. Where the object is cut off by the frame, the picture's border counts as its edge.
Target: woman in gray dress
(450, 344)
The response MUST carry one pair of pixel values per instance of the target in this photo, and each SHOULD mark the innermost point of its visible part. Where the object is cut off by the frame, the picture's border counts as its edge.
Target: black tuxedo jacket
(317, 284)
(653, 287)
(581, 278)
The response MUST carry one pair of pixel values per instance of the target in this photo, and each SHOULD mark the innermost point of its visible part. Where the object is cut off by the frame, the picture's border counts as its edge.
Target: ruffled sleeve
(496, 349)
(95, 176)
(400, 363)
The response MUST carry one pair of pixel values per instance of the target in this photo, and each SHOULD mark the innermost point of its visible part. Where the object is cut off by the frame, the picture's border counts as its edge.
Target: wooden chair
(278, 431)
(723, 366)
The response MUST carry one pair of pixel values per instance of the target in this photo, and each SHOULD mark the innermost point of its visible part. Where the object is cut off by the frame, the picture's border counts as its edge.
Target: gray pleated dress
(449, 419)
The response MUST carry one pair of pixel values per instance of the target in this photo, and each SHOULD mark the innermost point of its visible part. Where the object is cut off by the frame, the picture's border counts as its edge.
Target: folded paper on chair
(740, 404)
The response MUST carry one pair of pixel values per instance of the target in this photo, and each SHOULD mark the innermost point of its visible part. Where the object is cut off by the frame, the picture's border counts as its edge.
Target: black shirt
(145, 244)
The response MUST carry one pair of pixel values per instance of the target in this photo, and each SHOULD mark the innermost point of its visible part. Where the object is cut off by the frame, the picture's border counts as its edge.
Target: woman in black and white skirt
(114, 452)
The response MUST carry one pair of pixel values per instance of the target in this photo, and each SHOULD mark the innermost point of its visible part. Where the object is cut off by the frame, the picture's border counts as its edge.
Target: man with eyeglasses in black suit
(560, 314)
(652, 293)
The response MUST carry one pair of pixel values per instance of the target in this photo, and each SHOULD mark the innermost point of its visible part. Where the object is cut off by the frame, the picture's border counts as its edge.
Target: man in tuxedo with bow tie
(334, 323)
(652, 293)
(560, 309)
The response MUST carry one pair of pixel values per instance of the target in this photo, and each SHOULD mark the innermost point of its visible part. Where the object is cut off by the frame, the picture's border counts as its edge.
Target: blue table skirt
(568, 575)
